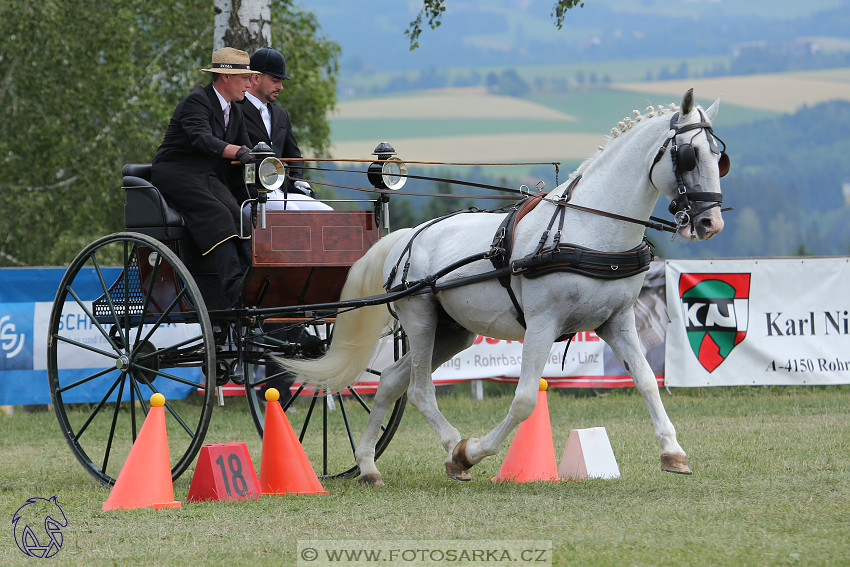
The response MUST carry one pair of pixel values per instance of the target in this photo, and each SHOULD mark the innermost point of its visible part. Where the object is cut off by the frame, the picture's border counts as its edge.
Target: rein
(654, 223)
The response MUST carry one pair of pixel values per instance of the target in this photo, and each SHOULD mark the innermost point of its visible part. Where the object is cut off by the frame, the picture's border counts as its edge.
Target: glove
(243, 154)
(303, 187)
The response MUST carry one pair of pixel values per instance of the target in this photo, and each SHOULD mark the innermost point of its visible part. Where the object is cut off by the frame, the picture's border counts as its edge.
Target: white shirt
(264, 112)
(224, 105)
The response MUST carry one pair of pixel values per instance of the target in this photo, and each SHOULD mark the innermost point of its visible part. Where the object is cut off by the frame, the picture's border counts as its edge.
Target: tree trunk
(243, 24)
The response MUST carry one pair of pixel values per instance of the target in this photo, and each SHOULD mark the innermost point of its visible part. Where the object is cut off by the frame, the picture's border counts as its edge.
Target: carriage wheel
(329, 425)
(116, 336)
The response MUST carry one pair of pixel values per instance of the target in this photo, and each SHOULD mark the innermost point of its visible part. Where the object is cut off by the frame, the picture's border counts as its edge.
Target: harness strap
(581, 260)
(501, 254)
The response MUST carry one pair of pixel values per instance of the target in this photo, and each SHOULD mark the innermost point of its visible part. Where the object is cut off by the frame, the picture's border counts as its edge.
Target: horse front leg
(535, 350)
(620, 334)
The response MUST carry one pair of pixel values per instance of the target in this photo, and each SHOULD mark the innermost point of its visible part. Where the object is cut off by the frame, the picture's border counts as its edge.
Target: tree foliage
(432, 11)
(87, 87)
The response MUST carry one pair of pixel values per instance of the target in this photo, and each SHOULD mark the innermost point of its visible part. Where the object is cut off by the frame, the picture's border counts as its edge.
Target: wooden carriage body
(303, 257)
(299, 258)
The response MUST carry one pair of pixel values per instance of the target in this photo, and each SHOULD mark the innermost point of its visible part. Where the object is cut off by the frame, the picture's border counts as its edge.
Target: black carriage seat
(145, 209)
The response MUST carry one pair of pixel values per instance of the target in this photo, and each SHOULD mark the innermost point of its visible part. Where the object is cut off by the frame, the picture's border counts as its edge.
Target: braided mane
(622, 127)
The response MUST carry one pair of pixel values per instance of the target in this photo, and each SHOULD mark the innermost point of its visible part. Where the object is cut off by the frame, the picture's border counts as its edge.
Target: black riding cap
(269, 61)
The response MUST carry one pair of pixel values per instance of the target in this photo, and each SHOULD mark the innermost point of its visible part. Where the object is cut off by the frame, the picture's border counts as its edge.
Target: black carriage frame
(288, 308)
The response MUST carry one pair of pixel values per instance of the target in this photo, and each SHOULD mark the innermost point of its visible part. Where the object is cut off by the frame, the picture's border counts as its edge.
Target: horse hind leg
(450, 340)
(394, 381)
(621, 335)
(443, 344)
(434, 339)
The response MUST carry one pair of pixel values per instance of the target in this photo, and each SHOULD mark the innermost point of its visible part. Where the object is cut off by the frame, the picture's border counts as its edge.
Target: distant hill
(785, 185)
(475, 125)
(502, 33)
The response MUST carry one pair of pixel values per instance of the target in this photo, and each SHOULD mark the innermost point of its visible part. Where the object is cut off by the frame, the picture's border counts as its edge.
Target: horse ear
(711, 111)
(687, 103)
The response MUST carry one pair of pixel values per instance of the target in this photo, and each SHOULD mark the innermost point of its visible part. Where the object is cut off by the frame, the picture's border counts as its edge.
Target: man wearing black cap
(268, 122)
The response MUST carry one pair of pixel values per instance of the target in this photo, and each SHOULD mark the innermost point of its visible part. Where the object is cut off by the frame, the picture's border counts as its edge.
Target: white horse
(622, 180)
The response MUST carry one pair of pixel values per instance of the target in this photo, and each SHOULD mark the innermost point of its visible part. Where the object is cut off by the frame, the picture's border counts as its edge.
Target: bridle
(685, 158)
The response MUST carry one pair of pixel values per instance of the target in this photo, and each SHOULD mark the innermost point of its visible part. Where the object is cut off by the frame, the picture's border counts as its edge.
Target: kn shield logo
(715, 309)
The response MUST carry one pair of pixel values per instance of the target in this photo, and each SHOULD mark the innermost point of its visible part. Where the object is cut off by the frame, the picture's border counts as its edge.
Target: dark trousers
(232, 259)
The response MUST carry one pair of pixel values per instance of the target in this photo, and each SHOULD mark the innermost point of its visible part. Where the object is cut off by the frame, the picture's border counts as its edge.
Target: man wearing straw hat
(193, 166)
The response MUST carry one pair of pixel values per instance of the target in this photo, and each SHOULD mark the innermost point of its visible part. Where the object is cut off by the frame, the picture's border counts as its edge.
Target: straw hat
(230, 61)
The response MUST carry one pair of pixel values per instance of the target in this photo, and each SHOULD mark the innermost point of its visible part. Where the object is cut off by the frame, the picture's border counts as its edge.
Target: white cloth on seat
(293, 202)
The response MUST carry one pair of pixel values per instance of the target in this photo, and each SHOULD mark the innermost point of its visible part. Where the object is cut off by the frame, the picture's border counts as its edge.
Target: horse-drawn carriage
(157, 323)
(542, 269)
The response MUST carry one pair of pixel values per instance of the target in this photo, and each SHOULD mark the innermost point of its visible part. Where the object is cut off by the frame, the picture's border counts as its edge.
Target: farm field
(473, 125)
(769, 488)
(784, 92)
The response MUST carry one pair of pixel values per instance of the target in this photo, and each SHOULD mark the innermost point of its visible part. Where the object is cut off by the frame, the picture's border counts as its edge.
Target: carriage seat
(145, 209)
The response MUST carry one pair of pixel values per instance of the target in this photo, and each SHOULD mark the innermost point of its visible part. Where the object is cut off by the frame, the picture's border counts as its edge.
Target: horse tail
(356, 333)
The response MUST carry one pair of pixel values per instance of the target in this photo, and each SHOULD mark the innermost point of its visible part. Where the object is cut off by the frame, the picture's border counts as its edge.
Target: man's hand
(243, 154)
(304, 187)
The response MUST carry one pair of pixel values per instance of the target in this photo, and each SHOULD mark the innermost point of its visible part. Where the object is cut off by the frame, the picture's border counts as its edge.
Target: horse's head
(694, 165)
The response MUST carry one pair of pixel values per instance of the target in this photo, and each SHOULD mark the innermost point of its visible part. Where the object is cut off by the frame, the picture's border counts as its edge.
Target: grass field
(770, 487)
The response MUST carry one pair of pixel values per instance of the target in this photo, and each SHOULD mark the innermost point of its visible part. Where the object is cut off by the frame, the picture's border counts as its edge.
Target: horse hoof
(455, 472)
(371, 479)
(459, 456)
(675, 464)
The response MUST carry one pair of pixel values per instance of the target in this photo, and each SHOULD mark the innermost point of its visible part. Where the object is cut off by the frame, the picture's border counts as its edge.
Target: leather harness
(559, 257)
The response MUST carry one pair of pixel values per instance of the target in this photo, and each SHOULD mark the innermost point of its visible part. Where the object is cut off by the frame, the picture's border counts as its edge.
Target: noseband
(685, 158)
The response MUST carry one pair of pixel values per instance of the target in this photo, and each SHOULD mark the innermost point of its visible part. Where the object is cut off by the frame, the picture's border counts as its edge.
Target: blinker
(723, 164)
(686, 157)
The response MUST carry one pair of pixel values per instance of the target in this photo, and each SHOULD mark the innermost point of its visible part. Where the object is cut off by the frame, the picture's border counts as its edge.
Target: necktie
(267, 118)
(226, 115)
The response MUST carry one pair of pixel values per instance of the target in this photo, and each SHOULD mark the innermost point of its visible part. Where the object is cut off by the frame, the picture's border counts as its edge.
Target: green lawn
(770, 487)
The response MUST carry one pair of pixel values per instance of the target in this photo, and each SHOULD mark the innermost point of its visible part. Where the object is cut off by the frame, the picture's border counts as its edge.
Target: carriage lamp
(390, 172)
(264, 174)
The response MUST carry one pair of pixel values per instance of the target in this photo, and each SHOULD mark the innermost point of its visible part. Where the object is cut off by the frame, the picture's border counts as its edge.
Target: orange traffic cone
(284, 466)
(145, 478)
(531, 455)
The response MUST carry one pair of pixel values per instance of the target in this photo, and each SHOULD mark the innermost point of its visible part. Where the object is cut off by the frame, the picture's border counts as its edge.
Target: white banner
(497, 359)
(783, 321)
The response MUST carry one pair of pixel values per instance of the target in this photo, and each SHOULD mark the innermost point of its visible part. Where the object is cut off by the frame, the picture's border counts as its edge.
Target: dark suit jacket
(191, 174)
(282, 139)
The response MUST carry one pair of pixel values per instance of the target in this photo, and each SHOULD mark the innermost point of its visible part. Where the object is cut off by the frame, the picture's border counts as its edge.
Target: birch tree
(87, 87)
(243, 24)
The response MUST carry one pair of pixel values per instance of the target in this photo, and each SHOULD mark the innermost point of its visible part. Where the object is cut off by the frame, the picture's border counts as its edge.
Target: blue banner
(26, 300)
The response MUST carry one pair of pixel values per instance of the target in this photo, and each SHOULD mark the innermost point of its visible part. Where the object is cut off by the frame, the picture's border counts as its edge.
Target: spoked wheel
(118, 335)
(329, 425)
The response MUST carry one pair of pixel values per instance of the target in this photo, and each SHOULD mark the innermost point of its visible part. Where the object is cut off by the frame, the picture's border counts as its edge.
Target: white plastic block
(588, 454)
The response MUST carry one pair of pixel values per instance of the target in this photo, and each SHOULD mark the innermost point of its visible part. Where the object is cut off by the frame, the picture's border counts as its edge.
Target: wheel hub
(152, 363)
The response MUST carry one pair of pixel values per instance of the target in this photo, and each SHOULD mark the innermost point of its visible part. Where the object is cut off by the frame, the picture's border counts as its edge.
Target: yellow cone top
(272, 395)
(543, 385)
(157, 400)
